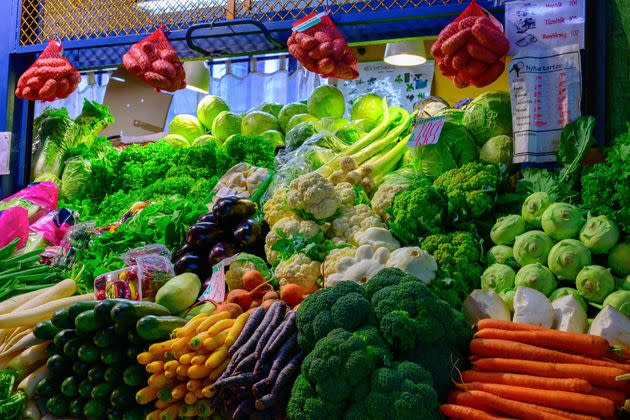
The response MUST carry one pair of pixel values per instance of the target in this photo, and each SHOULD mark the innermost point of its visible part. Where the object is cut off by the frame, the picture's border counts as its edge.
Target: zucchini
(59, 365)
(105, 337)
(71, 348)
(85, 323)
(136, 413)
(47, 387)
(129, 312)
(76, 408)
(115, 413)
(81, 369)
(101, 392)
(103, 309)
(93, 410)
(88, 353)
(156, 328)
(78, 307)
(62, 337)
(112, 356)
(113, 374)
(134, 375)
(64, 318)
(122, 397)
(85, 388)
(96, 374)
(45, 330)
(134, 338)
(58, 405)
(70, 386)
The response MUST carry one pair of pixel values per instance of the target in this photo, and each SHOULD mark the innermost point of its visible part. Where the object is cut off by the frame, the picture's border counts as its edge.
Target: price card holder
(215, 291)
(5, 151)
(426, 131)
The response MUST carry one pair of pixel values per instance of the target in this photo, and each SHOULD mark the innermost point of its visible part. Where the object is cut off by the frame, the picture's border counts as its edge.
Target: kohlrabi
(498, 277)
(562, 221)
(499, 254)
(567, 258)
(536, 276)
(620, 300)
(532, 247)
(533, 208)
(595, 282)
(619, 259)
(599, 234)
(563, 291)
(507, 228)
(508, 298)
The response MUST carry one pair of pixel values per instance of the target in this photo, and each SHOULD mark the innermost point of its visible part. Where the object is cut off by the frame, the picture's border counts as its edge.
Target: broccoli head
(458, 257)
(408, 313)
(343, 306)
(470, 189)
(417, 211)
(401, 391)
(335, 372)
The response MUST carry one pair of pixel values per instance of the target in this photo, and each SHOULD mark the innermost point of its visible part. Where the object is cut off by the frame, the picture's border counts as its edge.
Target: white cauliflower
(415, 261)
(288, 226)
(354, 220)
(346, 193)
(383, 198)
(329, 266)
(365, 264)
(313, 194)
(301, 270)
(277, 207)
(378, 237)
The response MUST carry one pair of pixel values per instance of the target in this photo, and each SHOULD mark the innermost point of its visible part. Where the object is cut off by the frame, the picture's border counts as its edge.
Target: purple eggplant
(203, 235)
(247, 233)
(186, 249)
(208, 217)
(233, 209)
(190, 263)
(220, 251)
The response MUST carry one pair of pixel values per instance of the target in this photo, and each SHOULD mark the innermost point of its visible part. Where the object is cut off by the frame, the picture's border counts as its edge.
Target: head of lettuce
(326, 101)
(208, 109)
(187, 126)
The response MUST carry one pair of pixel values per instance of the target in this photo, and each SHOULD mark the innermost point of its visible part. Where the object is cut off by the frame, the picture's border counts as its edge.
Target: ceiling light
(405, 53)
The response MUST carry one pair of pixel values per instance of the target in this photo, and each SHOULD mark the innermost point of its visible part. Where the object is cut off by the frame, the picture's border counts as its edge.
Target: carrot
(507, 325)
(596, 375)
(487, 347)
(563, 400)
(466, 413)
(590, 345)
(528, 381)
(486, 401)
(617, 397)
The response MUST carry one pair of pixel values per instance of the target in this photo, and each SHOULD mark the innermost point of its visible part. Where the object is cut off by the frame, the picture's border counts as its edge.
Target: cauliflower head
(346, 193)
(288, 226)
(360, 268)
(313, 194)
(354, 220)
(329, 266)
(301, 270)
(384, 197)
(277, 207)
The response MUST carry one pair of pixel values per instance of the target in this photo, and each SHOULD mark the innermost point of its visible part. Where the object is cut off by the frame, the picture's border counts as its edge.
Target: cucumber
(103, 309)
(96, 374)
(85, 323)
(105, 337)
(102, 392)
(129, 312)
(134, 375)
(45, 330)
(115, 413)
(62, 337)
(155, 328)
(88, 353)
(136, 413)
(58, 405)
(51, 350)
(78, 307)
(85, 388)
(113, 374)
(81, 369)
(93, 410)
(64, 318)
(122, 397)
(70, 386)
(112, 356)
(47, 387)
(59, 365)
(134, 338)
(75, 408)
(133, 350)
(71, 348)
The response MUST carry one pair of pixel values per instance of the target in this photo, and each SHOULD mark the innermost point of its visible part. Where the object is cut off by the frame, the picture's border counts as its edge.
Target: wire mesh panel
(86, 19)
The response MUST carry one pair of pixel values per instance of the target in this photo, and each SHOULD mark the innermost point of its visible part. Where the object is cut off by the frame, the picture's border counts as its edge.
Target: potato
(482, 304)
(532, 307)
(570, 316)
(612, 325)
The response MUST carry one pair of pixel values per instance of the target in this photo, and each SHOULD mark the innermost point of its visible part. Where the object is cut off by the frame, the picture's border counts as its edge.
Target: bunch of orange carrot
(532, 373)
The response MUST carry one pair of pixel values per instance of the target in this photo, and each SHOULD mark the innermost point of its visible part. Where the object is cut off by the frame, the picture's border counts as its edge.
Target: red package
(317, 44)
(155, 62)
(471, 50)
(50, 77)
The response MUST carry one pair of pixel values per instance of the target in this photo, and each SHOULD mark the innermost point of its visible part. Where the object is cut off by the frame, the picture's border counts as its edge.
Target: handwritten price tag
(426, 131)
(216, 287)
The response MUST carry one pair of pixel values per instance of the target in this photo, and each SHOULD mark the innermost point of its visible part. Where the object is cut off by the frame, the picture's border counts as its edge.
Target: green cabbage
(257, 122)
(326, 101)
(489, 115)
(208, 109)
(288, 111)
(206, 138)
(275, 137)
(453, 115)
(176, 140)
(369, 108)
(497, 150)
(299, 119)
(226, 124)
(272, 108)
(187, 126)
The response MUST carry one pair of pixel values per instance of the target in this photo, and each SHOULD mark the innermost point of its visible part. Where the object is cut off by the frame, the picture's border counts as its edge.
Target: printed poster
(402, 86)
(544, 23)
(545, 89)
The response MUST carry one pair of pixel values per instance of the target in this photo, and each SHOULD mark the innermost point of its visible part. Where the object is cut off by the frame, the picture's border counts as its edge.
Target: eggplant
(204, 235)
(233, 209)
(220, 251)
(190, 263)
(186, 249)
(208, 217)
(247, 233)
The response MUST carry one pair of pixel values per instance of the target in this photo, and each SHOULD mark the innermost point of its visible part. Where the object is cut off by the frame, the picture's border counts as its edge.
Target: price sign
(426, 131)
(5, 149)
(215, 291)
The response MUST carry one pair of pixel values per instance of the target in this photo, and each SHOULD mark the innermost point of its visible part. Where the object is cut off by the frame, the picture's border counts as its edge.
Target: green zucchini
(45, 330)
(103, 309)
(85, 323)
(156, 328)
(64, 318)
(129, 312)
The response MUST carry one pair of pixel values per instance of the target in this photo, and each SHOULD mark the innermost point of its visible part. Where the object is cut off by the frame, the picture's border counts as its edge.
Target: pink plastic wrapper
(38, 199)
(54, 225)
(13, 224)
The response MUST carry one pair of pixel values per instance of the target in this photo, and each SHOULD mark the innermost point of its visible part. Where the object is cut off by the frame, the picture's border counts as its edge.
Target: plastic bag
(317, 44)
(50, 77)
(155, 62)
(38, 199)
(13, 224)
(50, 229)
(131, 257)
(471, 50)
(76, 239)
